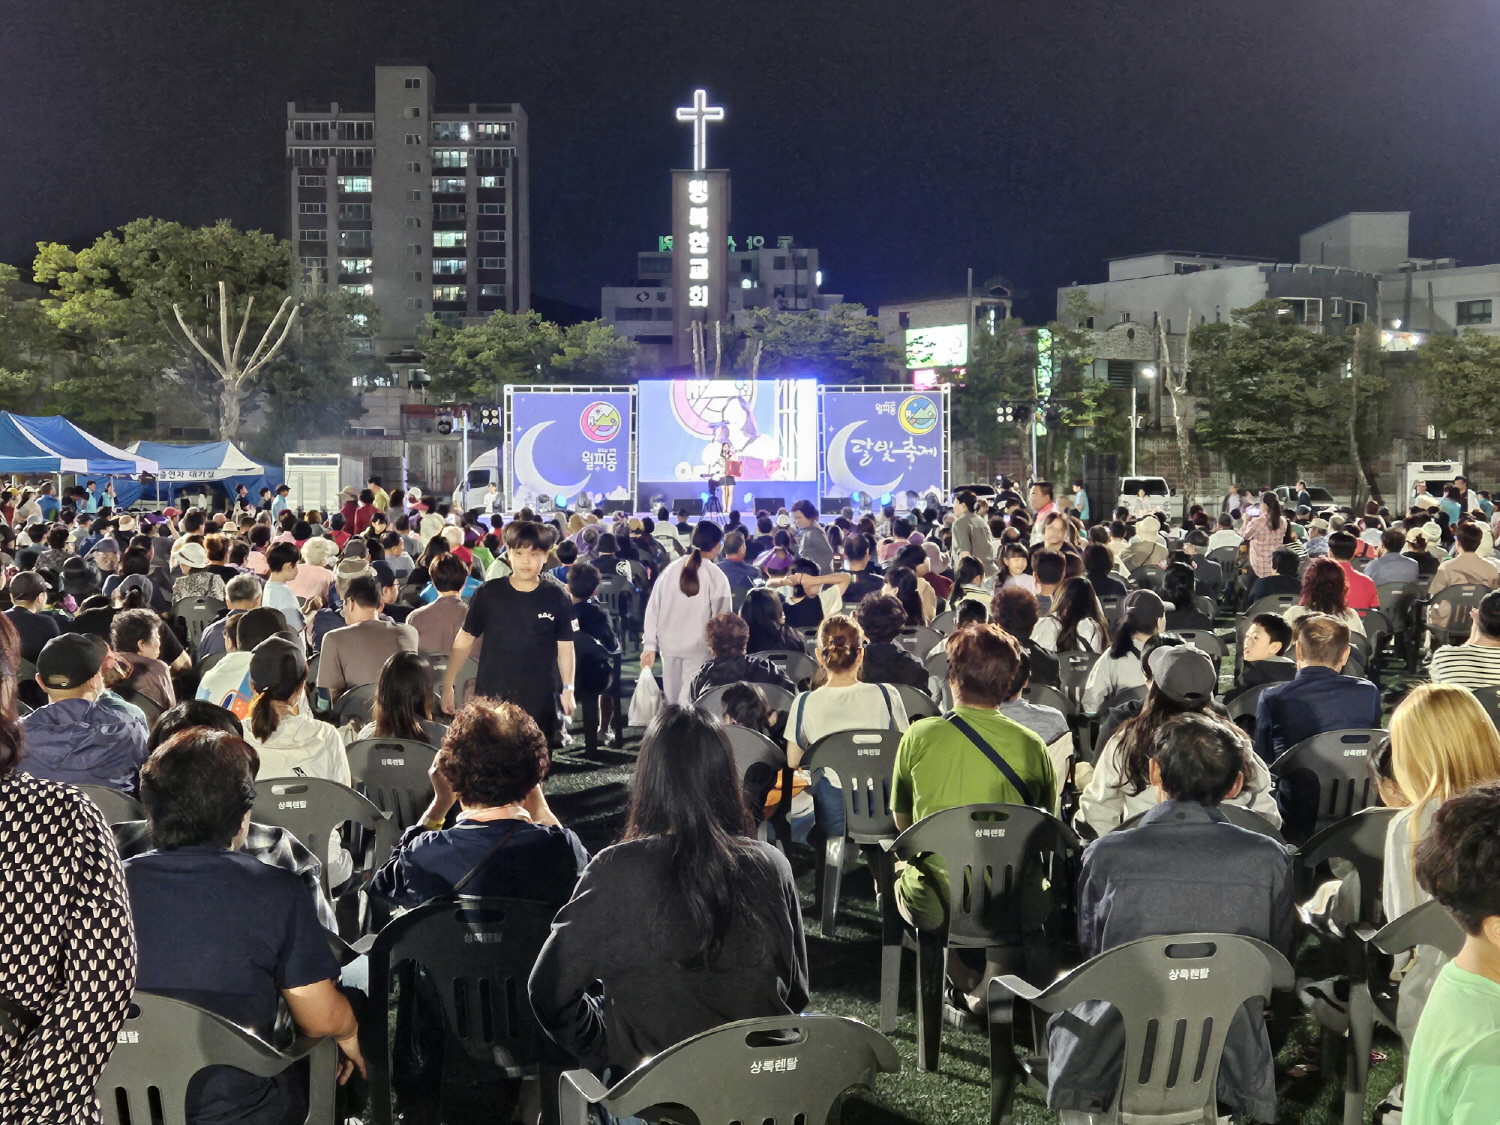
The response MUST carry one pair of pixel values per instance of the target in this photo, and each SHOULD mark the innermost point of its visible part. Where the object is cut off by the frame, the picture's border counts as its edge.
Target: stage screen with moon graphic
(567, 442)
(770, 426)
(883, 442)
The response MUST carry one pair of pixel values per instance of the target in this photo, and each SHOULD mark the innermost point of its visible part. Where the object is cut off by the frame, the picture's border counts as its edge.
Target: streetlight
(1148, 372)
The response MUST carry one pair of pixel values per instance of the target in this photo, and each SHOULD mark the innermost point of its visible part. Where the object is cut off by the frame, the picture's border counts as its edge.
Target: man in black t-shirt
(531, 622)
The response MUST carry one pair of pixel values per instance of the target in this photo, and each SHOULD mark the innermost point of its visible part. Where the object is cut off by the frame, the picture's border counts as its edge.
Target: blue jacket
(741, 575)
(84, 743)
(1317, 700)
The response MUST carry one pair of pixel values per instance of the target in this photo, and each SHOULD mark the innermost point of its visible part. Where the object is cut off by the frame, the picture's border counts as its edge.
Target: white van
(1158, 493)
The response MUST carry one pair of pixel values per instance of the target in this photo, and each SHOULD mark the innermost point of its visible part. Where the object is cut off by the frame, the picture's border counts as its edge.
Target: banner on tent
(564, 441)
(882, 441)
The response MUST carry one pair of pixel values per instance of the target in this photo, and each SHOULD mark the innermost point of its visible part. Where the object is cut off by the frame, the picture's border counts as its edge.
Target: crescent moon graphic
(842, 475)
(527, 472)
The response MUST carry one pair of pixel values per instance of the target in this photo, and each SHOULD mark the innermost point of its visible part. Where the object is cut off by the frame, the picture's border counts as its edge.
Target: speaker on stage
(833, 505)
(609, 506)
(770, 503)
(692, 505)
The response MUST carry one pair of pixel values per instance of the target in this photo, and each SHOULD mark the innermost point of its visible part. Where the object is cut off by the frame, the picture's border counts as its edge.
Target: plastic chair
(478, 953)
(392, 773)
(1177, 996)
(1073, 670)
(313, 808)
(357, 704)
(617, 596)
(795, 666)
(783, 1070)
(1338, 762)
(1244, 706)
(1358, 840)
(1489, 699)
(1110, 605)
(1398, 601)
(1009, 887)
(918, 704)
(864, 761)
(164, 1043)
(943, 623)
(1044, 696)
(1429, 924)
(1460, 604)
(194, 615)
(117, 807)
(1205, 642)
(1205, 605)
(463, 684)
(1146, 578)
(936, 665)
(919, 640)
(203, 666)
(712, 701)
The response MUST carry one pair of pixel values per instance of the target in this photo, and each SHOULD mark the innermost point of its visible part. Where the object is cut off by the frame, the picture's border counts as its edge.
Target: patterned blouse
(1264, 541)
(67, 950)
(199, 584)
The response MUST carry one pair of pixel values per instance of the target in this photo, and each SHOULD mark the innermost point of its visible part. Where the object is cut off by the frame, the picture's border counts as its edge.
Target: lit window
(355, 185)
(492, 263)
(362, 346)
(414, 166)
(1474, 312)
(355, 211)
(492, 181)
(450, 130)
(448, 185)
(447, 212)
(413, 83)
(312, 181)
(450, 158)
(450, 238)
(313, 209)
(449, 265)
(493, 130)
(355, 265)
(414, 196)
(492, 290)
(365, 290)
(450, 293)
(349, 239)
(314, 269)
(413, 222)
(315, 235)
(492, 208)
(492, 236)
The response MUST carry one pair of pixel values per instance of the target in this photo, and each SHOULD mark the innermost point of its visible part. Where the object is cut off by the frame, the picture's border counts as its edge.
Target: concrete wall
(1427, 300)
(1368, 241)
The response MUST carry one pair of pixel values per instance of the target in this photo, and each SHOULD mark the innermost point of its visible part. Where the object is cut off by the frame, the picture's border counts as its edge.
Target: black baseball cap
(27, 585)
(71, 660)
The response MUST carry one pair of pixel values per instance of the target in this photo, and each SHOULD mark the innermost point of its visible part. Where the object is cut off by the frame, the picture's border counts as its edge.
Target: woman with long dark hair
(403, 701)
(765, 613)
(1265, 533)
(690, 591)
(687, 924)
(70, 946)
(901, 581)
(1075, 622)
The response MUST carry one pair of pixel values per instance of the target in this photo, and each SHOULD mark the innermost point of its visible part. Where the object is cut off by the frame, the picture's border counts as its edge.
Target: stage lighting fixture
(561, 500)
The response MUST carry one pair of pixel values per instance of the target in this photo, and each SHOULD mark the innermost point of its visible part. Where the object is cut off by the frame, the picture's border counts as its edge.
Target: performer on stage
(729, 467)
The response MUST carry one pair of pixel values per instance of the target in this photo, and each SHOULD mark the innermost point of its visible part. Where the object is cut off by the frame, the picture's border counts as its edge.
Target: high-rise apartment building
(420, 204)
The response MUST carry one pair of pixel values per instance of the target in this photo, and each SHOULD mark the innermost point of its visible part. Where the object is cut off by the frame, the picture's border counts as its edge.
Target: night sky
(906, 139)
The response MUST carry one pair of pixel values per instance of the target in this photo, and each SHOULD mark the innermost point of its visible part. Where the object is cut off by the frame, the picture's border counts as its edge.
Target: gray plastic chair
(357, 704)
(1010, 887)
(1110, 605)
(1429, 924)
(1244, 706)
(1073, 670)
(1044, 696)
(942, 624)
(936, 665)
(919, 640)
(784, 1070)
(1461, 602)
(117, 807)
(392, 773)
(164, 1042)
(864, 761)
(711, 702)
(479, 953)
(1177, 996)
(795, 666)
(313, 808)
(1398, 601)
(1205, 641)
(1489, 699)
(1338, 761)
(195, 615)
(918, 704)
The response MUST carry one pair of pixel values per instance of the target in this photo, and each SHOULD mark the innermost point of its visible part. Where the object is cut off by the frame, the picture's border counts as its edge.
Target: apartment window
(354, 211)
(1120, 373)
(449, 266)
(663, 314)
(413, 83)
(1305, 310)
(355, 265)
(312, 181)
(414, 302)
(450, 293)
(492, 181)
(350, 239)
(317, 234)
(450, 238)
(493, 130)
(492, 290)
(447, 212)
(413, 275)
(492, 263)
(1357, 312)
(802, 291)
(356, 130)
(414, 248)
(312, 130)
(493, 157)
(413, 222)
(413, 138)
(448, 185)
(450, 158)
(308, 157)
(312, 208)
(414, 196)
(362, 346)
(492, 236)
(1187, 267)
(355, 185)
(1474, 312)
(355, 157)
(313, 269)
(414, 113)
(492, 208)
(629, 313)
(365, 290)
(414, 166)
(450, 130)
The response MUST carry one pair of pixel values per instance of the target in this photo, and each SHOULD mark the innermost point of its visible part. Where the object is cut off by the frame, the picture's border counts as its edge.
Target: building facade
(419, 204)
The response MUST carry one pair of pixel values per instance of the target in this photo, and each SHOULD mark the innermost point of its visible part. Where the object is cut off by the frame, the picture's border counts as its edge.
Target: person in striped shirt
(1476, 663)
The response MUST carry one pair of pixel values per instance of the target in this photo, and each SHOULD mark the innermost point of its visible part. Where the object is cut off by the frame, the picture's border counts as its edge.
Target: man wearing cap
(1317, 538)
(75, 738)
(353, 656)
(280, 503)
(28, 599)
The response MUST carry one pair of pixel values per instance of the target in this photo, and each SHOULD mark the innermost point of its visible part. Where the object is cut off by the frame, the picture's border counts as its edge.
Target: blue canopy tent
(219, 463)
(54, 446)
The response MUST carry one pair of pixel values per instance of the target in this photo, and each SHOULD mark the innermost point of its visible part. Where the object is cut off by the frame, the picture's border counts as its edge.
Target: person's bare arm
(463, 644)
(321, 1010)
(536, 805)
(565, 670)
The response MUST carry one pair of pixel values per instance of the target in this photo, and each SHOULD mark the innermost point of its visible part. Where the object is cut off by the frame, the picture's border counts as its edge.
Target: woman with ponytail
(688, 593)
(687, 924)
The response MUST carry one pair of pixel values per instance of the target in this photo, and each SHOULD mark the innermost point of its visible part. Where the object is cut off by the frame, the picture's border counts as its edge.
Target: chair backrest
(919, 640)
(1177, 996)
(1271, 603)
(918, 704)
(1377, 624)
(1360, 841)
(810, 641)
(864, 761)
(1110, 605)
(1204, 605)
(1009, 869)
(355, 705)
(751, 748)
(1121, 696)
(164, 1043)
(1044, 696)
(205, 663)
(711, 702)
(943, 622)
(1428, 924)
(313, 808)
(1489, 699)
(1244, 706)
(1238, 815)
(479, 953)
(1073, 670)
(614, 595)
(392, 773)
(1225, 557)
(117, 807)
(782, 1070)
(796, 666)
(1396, 598)
(195, 615)
(1205, 642)
(1339, 761)
(1461, 602)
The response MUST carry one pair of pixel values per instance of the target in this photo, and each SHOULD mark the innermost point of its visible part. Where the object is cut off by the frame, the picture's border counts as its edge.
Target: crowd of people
(178, 657)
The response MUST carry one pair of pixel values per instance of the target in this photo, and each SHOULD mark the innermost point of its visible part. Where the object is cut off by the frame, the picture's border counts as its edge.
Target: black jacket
(737, 670)
(887, 663)
(1257, 672)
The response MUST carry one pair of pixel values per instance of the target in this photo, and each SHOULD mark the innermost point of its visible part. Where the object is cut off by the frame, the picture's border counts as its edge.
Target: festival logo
(702, 405)
(917, 415)
(600, 422)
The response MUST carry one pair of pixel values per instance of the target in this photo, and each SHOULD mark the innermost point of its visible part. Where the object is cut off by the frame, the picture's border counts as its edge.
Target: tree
(1002, 368)
(1175, 377)
(523, 348)
(1273, 390)
(27, 339)
(234, 369)
(842, 345)
(1460, 379)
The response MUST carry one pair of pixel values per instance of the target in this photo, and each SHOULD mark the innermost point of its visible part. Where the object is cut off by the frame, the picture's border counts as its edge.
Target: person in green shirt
(1453, 1074)
(938, 766)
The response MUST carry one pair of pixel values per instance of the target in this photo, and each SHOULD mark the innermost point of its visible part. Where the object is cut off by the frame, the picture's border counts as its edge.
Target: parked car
(1321, 497)
(1158, 494)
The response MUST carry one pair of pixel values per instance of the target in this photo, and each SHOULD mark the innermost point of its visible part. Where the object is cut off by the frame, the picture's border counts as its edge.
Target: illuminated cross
(700, 113)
